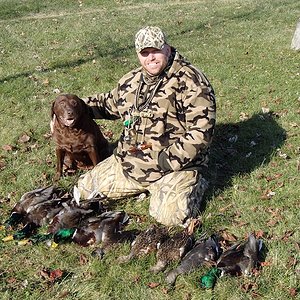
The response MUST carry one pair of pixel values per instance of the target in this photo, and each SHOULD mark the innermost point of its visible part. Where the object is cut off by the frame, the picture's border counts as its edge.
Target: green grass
(84, 47)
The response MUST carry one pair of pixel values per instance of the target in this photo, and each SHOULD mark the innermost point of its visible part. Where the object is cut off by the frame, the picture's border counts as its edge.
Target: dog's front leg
(93, 155)
(60, 156)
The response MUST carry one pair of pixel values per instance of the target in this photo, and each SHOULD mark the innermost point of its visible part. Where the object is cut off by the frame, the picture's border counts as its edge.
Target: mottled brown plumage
(173, 249)
(146, 242)
(37, 206)
(69, 217)
(103, 229)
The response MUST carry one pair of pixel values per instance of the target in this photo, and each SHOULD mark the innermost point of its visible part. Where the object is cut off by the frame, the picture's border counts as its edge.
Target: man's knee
(173, 201)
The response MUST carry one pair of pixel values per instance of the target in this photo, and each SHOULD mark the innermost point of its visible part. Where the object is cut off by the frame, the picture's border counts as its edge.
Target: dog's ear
(84, 106)
(52, 110)
(87, 109)
(53, 118)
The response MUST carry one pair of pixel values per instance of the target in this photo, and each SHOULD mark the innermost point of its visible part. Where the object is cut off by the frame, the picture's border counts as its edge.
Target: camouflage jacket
(168, 123)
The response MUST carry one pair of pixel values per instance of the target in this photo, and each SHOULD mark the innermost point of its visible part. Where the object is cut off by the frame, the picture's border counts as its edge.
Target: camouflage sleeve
(200, 113)
(104, 105)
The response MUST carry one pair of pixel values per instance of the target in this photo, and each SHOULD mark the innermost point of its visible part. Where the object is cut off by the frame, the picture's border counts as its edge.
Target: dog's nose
(70, 113)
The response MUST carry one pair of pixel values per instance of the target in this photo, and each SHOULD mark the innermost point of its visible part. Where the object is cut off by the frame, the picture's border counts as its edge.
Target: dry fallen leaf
(7, 148)
(268, 194)
(228, 236)
(153, 285)
(193, 224)
(255, 294)
(51, 275)
(287, 235)
(269, 178)
(244, 116)
(47, 135)
(46, 81)
(259, 234)
(108, 134)
(83, 260)
(292, 262)
(45, 274)
(293, 292)
(24, 138)
(138, 218)
(2, 164)
(55, 274)
(222, 209)
(64, 294)
(241, 223)
(280, 184)
(11, 280)
(136, 279)
(265, 263)
(272, 222)
(249, 286)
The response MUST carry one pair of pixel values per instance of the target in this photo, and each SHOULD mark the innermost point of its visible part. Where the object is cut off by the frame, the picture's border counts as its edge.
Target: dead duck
(105, 229)
(75, 211)
(69, 217)
(28, 202)
(43, 213)
(173, 249)
(146, 242)
(240, 258)
(205, 250)
(35, 208)
(94, 201)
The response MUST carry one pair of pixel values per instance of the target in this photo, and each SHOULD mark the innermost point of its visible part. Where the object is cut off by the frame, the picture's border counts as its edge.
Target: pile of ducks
(67, 219)
(89, 222)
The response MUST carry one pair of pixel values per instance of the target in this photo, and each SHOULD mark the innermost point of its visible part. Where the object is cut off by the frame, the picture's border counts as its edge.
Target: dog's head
(68, 109)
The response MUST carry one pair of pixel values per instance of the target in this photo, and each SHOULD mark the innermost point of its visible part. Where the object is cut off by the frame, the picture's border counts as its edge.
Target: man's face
(154, 60)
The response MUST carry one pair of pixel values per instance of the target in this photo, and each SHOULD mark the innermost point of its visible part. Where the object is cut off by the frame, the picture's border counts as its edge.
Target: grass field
(84, 47)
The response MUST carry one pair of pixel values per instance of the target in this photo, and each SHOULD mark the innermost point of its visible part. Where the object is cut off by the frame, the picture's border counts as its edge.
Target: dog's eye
(74, 103)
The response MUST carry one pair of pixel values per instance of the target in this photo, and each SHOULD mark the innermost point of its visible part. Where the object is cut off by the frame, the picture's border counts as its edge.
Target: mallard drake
(105, 228)
(35, 208)
(146, 242)
(173, 249)
(205, 250)
(43, 213)
(69, 217)
(240, 258)
(29, 202)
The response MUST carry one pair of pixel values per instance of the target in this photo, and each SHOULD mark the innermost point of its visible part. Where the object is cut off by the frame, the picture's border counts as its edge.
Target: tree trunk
(296, 38)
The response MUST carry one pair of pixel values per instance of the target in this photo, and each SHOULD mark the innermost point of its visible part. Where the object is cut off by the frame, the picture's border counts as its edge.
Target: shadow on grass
(240, 148)
(110, 54)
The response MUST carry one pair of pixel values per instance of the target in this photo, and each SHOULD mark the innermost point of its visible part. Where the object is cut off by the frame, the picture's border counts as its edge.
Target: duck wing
(241, 258)
(204, 251)
(173, 249)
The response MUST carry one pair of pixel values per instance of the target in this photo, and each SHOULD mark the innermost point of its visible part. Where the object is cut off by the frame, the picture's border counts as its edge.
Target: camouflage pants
(173, 198)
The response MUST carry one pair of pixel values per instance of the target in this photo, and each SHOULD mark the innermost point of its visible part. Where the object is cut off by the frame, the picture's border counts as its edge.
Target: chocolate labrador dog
(79, 141)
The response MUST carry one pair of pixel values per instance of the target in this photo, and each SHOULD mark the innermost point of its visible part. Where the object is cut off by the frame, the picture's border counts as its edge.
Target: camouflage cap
(149, 37)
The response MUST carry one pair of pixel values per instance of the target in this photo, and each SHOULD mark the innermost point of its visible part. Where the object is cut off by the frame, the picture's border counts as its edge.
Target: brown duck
(173, 249)
(69, 217)
(146, 242)
(103, 229)
(28, 203)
